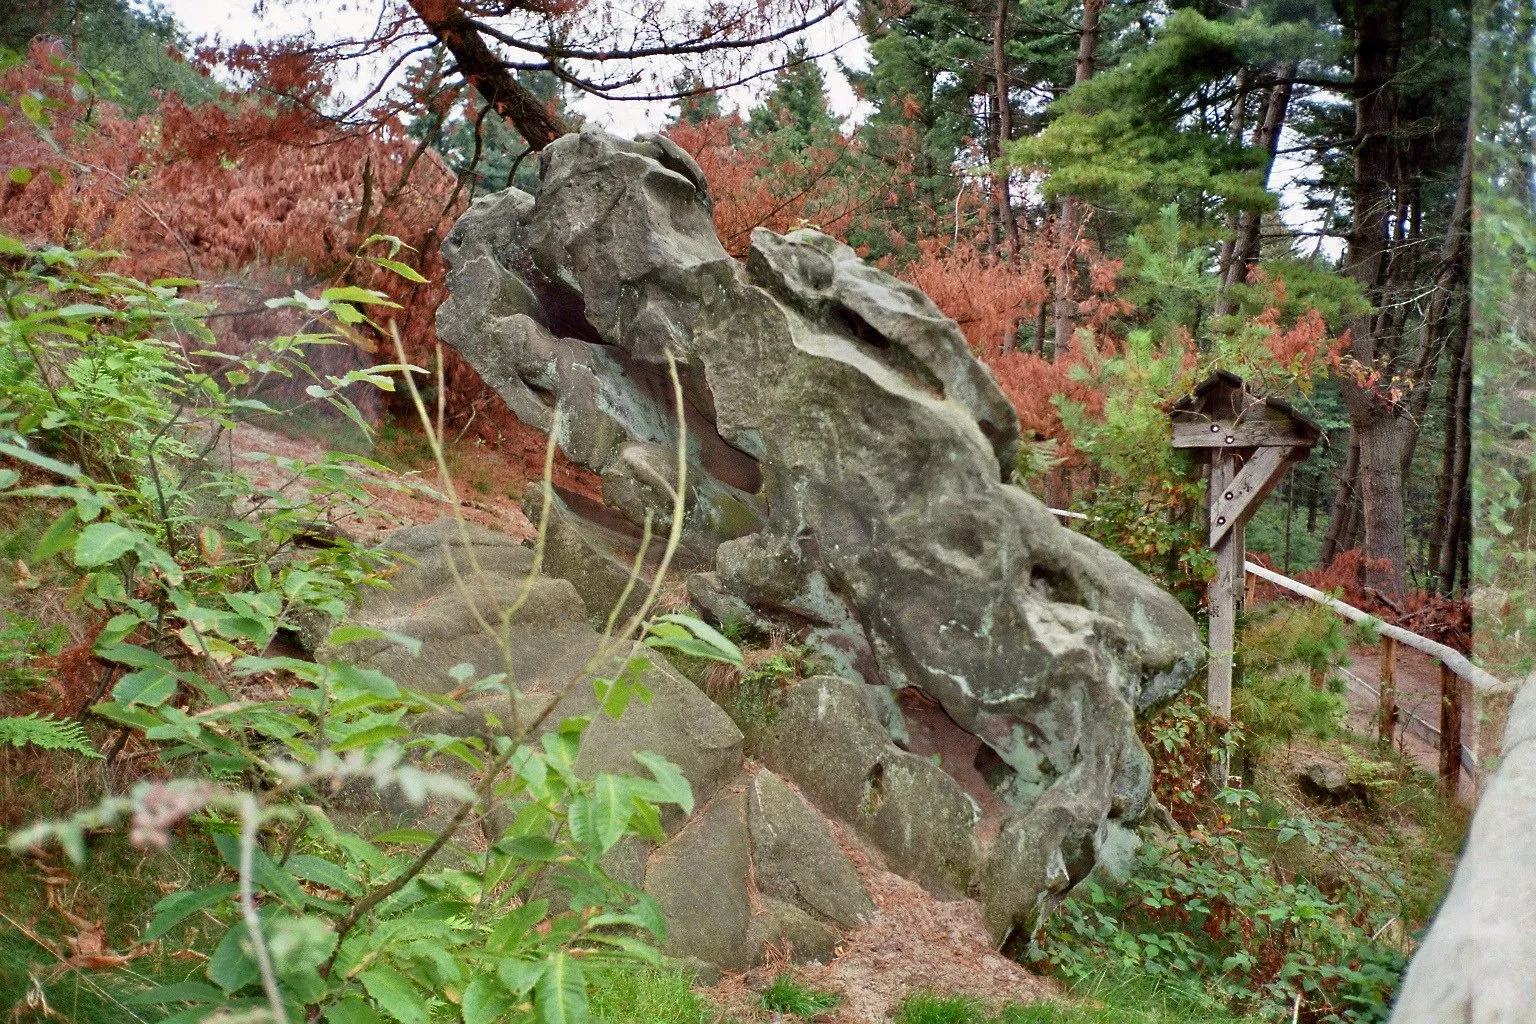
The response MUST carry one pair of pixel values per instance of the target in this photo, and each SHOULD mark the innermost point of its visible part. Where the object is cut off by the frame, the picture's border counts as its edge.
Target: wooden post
(1450, 730)
(1221, 595)
(1250, 592)
(1248, 443)
(1388, 710)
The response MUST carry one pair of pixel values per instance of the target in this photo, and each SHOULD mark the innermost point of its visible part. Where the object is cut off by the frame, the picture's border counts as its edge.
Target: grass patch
(1106, 1000)
(785, 995)
(647, 996)
(114, 887)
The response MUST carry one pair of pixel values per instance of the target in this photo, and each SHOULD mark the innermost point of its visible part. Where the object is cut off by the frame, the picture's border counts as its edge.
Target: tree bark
(1245, 248)
(483, 70)
(1004, 122)
(1067, 222)
(1376, 417)
(1337, 537)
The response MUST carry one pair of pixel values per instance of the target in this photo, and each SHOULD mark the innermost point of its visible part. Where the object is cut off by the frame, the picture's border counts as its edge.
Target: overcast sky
(232, 20)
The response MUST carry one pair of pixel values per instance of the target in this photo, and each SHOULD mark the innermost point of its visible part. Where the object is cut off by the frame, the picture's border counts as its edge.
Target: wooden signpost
(1248, 442)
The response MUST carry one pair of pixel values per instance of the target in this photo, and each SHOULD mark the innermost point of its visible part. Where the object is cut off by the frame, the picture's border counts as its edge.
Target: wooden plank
(1221, 602)
(1240, 499)
(1458, 663)
(1248, 434)
(1388, 709)
(1450, 729)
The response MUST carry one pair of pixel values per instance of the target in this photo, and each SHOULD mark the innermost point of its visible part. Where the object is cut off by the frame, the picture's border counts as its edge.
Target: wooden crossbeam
(1255, 433)
(1239, 500)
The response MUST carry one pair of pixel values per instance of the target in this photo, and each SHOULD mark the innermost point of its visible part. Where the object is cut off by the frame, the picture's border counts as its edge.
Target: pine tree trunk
(1000, 176)
(1245, 248)
(1067, 223)
(1375, 416)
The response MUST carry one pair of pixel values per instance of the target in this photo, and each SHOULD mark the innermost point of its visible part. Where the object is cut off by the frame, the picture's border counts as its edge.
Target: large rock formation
(847, 465)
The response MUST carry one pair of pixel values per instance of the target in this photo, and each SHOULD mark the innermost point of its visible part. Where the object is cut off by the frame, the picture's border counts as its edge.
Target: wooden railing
(1455, 670)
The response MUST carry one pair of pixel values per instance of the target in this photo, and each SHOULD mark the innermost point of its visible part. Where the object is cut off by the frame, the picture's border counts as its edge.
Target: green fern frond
(46, 733)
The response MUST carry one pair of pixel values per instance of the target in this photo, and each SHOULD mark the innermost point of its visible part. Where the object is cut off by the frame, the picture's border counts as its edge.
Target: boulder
(796, 860)
(784, 926)
(847, 462)
(442, 591)
(699, 879)
(827, 738)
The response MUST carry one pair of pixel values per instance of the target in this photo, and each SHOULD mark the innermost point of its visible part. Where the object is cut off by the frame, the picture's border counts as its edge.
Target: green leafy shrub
(112, 401)
(1283, 653)
(1206, 912)
(1182, 735)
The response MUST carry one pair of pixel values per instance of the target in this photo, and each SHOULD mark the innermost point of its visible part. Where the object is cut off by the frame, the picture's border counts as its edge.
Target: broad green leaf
(179, 906)
(519, 976)
(673, 786)
(323, 872)
(560, 997)
(123, 714)
(21, 176)
(9, 478)
(485, 1000)
(404, 270)
(724, 649)
(351, 634)
(368, 737)
(395, 994)
(515, 924)
(267, 874)
(607, 812)
(101, 543)
(352, 293)
(352, 1010)
(148, 686)
(370, 680)
(231, 967)
(534, 848)
(180, 992)
(403, 836)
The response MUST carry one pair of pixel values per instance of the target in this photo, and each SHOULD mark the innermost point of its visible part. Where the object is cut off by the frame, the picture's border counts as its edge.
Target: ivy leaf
(561, 994)
(395, 994)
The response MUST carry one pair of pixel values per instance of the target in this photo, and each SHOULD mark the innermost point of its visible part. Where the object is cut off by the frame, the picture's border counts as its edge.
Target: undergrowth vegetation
(179, 573)
(1262, 901)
